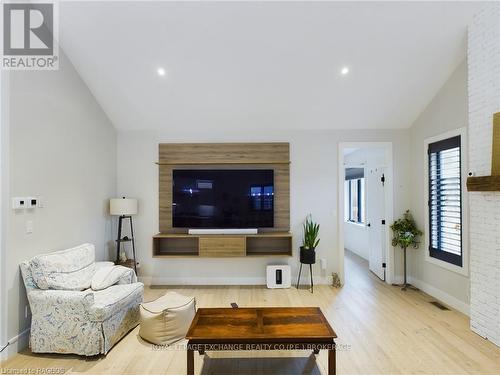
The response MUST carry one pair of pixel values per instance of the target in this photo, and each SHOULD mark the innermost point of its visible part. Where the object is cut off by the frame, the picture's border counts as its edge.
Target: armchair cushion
(103, 264)
(114, 299)
(70, 269)
(45, 301)
(106, 276)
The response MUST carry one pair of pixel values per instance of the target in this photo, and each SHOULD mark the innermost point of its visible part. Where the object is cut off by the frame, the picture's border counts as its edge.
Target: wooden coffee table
(263, 328)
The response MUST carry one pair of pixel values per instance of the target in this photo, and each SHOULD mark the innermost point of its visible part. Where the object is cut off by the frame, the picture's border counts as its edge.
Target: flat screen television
(223, 198)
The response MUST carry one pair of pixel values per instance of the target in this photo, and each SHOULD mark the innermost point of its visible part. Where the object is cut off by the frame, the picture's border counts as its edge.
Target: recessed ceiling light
(161, 72)
(344, 70)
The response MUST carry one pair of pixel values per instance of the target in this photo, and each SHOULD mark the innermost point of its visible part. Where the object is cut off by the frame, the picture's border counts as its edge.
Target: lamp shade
(122, 206)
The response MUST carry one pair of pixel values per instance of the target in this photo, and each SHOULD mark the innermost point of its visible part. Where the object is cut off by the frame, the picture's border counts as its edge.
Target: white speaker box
(278, 277)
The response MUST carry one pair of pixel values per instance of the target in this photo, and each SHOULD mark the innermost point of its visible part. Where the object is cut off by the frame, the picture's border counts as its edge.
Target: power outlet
(29, 227)
(322, 262)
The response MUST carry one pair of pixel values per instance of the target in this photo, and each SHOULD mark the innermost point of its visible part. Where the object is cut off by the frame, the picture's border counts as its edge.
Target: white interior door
(375, 211)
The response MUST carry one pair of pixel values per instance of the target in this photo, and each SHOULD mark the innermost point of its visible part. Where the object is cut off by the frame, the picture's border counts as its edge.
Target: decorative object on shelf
(336, 280)
(492, 182)
(308, 248)
(124, 208)
(405, 234)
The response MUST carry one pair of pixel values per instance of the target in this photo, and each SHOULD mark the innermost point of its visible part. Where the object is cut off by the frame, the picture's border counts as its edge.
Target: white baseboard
(397, 279)
(448, 299)
(148, 280)
(16, 344)
(160, 280)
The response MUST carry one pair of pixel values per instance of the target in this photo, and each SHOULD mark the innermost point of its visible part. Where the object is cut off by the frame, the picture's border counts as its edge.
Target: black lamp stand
(119, 240)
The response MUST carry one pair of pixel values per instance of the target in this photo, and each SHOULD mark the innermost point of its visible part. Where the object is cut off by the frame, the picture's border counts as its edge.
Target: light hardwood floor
(381, 330)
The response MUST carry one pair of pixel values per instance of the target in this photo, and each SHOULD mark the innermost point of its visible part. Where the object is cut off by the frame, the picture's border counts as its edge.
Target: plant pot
(307, 256)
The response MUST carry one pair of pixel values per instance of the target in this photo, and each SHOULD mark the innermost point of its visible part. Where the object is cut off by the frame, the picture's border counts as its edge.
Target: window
(355, 195)
(445, 200)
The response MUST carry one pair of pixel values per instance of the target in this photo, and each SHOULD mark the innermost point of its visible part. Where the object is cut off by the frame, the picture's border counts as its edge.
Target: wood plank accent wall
(224, 153)
(274, 156)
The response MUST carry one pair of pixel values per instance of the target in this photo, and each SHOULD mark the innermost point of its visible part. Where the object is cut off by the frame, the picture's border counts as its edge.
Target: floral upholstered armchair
(78, 305)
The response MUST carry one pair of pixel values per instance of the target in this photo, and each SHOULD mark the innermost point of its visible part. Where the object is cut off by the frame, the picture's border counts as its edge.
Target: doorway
(366, 207)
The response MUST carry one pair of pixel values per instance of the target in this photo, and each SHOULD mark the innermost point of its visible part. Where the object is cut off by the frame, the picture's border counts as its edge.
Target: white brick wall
(484, 100)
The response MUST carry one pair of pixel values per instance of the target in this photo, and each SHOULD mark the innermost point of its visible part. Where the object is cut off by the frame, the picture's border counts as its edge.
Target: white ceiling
(264, 65)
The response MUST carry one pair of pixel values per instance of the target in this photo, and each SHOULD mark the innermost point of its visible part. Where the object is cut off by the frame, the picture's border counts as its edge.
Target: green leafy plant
(311, 233)
(405, 232)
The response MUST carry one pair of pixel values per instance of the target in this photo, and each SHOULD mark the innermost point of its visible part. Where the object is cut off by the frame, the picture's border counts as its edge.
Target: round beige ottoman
(167, 319)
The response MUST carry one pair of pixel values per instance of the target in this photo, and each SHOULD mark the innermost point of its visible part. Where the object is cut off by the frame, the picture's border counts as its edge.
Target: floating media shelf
(185, 245)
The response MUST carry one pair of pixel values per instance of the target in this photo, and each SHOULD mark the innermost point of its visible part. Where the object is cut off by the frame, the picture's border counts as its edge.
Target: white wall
(356, 239)
(370, 157)
(447, 111)
(3, 200)
(313, 188)
(484, 100)
(62, 148)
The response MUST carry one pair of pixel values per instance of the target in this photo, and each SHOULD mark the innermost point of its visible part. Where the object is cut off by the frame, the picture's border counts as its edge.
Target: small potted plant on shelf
(309, 242)
(405, 234)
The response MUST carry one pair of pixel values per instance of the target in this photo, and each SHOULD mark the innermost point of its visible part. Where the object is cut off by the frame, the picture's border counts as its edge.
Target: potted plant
(405, 234)
(309, 242)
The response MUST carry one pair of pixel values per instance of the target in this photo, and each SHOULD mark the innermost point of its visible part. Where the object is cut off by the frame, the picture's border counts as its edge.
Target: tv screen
(223, 198)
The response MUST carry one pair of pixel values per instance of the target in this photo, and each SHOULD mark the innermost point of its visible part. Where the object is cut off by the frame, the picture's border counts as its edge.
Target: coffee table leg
(190, 362)
(332, 362)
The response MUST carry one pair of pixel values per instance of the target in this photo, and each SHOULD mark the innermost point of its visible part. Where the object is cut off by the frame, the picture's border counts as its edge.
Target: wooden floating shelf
(226, 163)
(483, 183)
(490, 183)
(216, 246)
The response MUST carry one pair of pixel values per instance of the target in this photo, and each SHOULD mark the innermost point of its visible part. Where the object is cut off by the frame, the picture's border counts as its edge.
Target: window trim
(464, 269)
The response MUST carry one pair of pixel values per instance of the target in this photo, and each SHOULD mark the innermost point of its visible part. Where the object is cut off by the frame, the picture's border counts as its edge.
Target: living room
(183, 109)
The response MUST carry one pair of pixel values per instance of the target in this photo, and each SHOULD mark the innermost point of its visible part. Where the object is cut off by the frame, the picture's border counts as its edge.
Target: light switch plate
(18, 203)
(31, 202)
